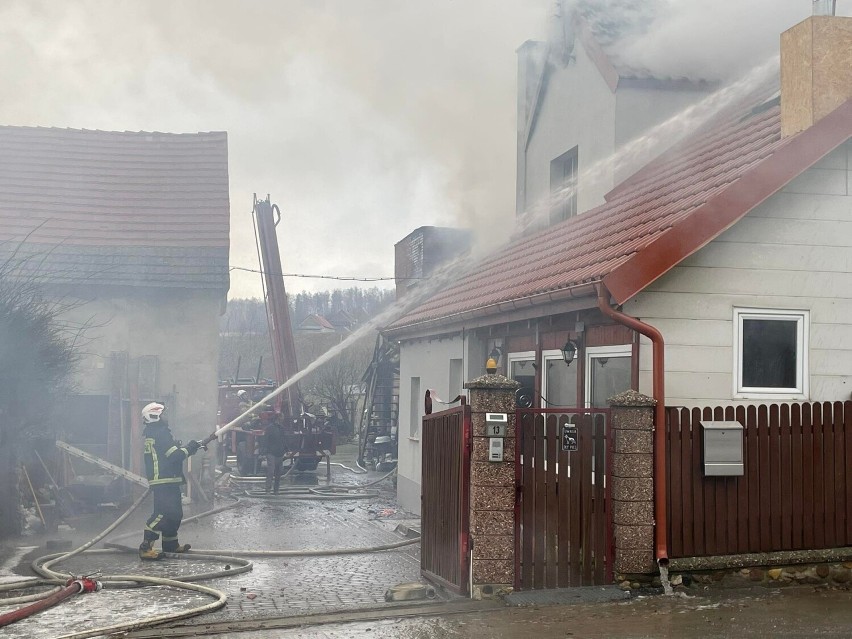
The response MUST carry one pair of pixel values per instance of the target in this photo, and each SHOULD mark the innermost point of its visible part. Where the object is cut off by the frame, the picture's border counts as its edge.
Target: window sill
(775, 397)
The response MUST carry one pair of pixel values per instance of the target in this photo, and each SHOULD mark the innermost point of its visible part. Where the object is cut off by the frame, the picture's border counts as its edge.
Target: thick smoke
(363, 119)
(717, 40)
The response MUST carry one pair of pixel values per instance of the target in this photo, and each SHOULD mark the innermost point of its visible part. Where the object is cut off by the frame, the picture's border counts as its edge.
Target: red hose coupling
(86, 584)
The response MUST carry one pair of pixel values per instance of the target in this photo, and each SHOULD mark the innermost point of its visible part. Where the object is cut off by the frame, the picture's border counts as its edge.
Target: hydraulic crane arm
(266, 218)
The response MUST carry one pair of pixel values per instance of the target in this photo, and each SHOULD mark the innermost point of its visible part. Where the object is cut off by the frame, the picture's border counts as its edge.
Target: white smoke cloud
(363, 119)
(716, 41)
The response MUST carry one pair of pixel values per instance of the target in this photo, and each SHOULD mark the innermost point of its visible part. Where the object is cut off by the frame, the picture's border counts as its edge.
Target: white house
(732, 249)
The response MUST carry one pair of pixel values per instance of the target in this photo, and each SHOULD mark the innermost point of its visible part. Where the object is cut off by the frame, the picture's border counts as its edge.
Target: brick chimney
(816, 71)
(423, 251)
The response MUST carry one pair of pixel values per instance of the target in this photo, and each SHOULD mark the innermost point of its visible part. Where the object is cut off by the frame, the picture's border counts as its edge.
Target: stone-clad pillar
(492, 488)
(633, 482)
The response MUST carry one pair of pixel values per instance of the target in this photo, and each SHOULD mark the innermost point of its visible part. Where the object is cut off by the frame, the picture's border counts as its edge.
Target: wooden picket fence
(796, 493)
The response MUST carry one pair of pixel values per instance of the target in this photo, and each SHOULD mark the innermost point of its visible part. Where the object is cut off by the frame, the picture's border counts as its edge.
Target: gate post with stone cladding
(492, 492)
(633, 482)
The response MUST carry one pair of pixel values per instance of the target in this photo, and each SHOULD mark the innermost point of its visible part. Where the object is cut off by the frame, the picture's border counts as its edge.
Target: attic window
(563, 186)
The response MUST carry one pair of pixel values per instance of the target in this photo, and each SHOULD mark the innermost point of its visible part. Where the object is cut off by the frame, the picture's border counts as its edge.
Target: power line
(328, 277)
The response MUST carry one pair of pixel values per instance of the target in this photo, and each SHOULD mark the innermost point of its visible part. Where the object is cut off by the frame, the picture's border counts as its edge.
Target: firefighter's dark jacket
(163, 455)
(274, 443)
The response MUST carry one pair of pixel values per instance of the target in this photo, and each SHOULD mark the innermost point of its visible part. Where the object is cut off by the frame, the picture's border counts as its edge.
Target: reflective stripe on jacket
(163, 456)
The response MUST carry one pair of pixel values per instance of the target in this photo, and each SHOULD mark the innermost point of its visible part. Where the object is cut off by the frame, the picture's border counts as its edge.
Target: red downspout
(659, 392)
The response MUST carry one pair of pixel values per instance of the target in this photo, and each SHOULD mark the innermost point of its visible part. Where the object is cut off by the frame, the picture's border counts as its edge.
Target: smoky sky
(363, 119)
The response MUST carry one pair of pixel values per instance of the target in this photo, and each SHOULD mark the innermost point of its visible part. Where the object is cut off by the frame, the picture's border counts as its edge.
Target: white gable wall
(577, 108)
(792, 252)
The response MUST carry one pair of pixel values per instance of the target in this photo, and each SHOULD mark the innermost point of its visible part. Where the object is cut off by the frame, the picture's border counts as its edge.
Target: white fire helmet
(242, 394)
(152, 412)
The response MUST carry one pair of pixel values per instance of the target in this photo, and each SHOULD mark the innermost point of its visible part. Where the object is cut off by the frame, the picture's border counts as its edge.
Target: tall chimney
(816, 70)
(825, 7)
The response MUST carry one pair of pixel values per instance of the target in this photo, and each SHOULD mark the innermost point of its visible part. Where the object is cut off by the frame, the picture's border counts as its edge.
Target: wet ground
(275, 586)
(791, 612)
(283, 594)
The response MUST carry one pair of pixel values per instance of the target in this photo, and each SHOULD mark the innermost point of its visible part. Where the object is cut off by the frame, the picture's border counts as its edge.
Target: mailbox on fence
(723, 448)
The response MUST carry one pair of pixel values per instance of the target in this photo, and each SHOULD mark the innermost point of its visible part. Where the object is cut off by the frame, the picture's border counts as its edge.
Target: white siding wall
(792, 252)
(430, 361)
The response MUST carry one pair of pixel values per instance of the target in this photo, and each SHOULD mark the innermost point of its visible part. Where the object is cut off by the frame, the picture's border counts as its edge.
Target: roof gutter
(659, 392)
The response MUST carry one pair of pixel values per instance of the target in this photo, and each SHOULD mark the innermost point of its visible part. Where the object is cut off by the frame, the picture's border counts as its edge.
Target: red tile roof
(97, 201)
(316, 320)
(626, 243)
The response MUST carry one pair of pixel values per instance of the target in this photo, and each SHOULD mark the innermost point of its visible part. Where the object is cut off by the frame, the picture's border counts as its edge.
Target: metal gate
(445, 518)
(563, 531)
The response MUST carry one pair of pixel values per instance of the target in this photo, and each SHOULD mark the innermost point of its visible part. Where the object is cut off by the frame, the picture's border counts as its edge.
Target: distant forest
(245, 349)
(249, 315)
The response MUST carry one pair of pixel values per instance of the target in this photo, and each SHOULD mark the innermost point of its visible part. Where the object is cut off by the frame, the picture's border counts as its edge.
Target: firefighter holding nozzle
(164, 457)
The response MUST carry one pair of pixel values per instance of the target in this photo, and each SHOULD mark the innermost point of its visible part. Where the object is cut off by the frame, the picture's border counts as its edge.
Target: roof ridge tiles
(27, 129)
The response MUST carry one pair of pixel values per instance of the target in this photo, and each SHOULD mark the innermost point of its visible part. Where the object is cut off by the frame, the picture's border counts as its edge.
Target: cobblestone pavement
(275, 586)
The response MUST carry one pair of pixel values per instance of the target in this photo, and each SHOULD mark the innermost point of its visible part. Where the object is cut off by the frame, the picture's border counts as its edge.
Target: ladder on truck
(380, 418)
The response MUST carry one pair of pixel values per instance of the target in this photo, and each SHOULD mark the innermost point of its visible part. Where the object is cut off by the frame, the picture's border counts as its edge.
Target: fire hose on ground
(329, 492)
(65, 586)
(53, 598)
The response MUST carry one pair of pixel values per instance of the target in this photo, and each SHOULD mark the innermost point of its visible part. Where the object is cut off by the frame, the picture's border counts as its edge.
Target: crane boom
(277, 309)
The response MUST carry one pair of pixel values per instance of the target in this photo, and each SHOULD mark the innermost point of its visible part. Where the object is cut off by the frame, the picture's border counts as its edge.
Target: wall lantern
(569, 351)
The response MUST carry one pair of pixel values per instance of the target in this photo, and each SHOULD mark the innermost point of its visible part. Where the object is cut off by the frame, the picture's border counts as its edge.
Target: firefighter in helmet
(244, 400)
(164, 458)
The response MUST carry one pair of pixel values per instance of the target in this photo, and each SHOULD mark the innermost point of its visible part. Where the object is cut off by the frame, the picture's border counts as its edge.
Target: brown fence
(563, 526)
(795, 493)
(445, 508)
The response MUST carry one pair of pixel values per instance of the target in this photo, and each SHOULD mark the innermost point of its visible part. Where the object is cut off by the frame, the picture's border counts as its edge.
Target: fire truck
(308, 439)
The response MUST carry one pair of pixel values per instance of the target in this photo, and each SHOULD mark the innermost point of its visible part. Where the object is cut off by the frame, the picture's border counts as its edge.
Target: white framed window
(563, 186)
(521, 367)
(770, 353)
(608, 373)
(414, 409)
(558, 380)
